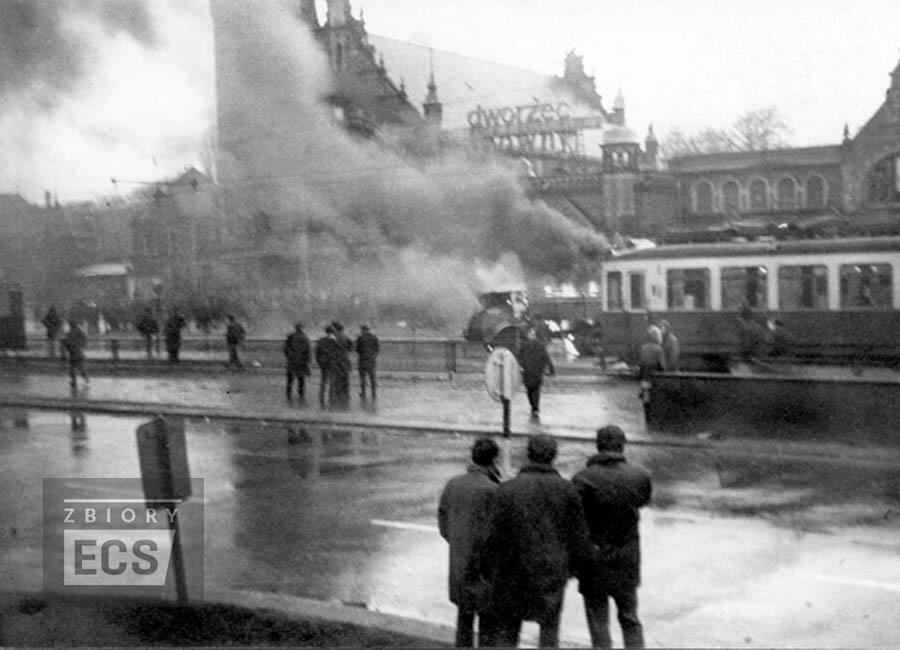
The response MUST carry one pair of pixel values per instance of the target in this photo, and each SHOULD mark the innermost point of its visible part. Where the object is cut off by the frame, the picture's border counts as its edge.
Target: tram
(812, 300)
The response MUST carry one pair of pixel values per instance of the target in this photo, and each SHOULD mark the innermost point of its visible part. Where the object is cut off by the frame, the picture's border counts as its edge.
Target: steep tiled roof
(729, 161)
(464, 83)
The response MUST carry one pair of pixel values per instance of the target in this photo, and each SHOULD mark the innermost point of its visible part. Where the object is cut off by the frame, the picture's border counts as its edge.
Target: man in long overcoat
(538, 539)
(296, 353)
(534, 361)
(340, 377)
(172, 330)
(367, 348)
(612, 490)
(326, 356)
(463, 516)
(53, 323)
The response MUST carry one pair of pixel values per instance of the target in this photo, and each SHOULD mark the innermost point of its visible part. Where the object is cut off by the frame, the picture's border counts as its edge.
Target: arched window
(815, 192)
(759, 195)
(884, 181)
(703, 197)
(731, 196)
(786, 193)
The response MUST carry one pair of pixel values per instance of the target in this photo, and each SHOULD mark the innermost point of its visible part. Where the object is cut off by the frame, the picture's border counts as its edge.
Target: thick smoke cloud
(46, 45)
(425, 235)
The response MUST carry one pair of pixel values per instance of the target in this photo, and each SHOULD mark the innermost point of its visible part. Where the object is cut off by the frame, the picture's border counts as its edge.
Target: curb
(295, 606)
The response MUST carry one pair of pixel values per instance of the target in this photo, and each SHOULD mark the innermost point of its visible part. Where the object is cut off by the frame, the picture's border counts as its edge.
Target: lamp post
(157, 304)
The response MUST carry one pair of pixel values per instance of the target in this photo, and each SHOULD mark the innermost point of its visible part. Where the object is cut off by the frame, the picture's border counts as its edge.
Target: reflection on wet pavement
(738, 551)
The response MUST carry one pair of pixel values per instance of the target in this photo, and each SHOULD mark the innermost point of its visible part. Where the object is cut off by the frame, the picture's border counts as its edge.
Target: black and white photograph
(450, 323)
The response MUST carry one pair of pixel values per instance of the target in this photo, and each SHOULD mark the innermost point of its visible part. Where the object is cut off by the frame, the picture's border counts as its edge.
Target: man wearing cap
(612, 491)
(463, 515)
(367, 348)
(538, 539)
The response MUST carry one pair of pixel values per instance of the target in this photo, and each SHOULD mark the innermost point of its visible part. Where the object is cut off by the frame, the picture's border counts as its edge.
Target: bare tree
(756, 130)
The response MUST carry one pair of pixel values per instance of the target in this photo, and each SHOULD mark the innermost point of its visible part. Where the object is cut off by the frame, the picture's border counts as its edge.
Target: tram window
(866, 285)
(803, 287)
(636, 287)
(744, 285)
(614, 291)
(687, 288)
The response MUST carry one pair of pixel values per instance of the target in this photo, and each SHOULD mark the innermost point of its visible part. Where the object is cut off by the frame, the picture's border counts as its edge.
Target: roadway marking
(858, 582)
(403, 525)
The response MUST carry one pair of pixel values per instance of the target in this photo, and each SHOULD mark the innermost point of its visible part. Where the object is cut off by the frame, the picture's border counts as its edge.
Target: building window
(637, 293)
(786, 194)
(815, 192)
(884, 181)
(339, 56)
(703, 198)
(803, 287)
(731, 196)
(744, 285)
(687, 289)
(759, 195)
(866, 286)
(614, 291)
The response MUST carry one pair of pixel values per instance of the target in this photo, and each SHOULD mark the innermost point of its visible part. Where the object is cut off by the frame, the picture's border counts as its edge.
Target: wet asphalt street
(738, 550)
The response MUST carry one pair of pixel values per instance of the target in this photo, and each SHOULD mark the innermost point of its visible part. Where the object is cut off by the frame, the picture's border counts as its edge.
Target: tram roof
(781, 247)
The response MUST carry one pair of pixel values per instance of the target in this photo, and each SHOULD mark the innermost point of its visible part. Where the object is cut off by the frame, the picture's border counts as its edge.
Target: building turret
(432, 107)
(893, 95)
(651, 147)
(846, 139)
(308, 13)
(618, 116)
(338, 13)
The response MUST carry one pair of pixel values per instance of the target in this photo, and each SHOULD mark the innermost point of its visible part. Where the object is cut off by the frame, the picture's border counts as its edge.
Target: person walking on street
(340, 377)
(464, 512)
(612, 492)
(537, 539)
(326, 357)
(296, 353)
(652, 359)
(670, 346)
(147, 327)
(534, 361)
(74, 343)
(172, 330)
(367, 348)
(234, 336)
(53, 324)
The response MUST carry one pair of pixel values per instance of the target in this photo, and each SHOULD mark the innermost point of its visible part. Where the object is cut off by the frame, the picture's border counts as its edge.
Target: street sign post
(501, 377)
(162, 453)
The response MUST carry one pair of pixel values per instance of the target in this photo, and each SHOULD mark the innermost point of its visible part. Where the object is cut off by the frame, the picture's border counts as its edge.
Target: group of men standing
(332, 355)
(514, 545)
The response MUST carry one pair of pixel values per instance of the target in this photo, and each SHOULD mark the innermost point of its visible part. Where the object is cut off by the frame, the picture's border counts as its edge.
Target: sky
(131, 97)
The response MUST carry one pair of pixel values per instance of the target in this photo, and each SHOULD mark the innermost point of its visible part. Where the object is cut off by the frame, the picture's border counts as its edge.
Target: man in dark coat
(326, 357)
(234, 336)
(53, 324)
(340, 377)
(74, 343)
(147, 327)
(534, 361)
(463, 516)
(538, 538)
(612, 490)
(367, 348)
(296, 353)
(651, 359)
(172, 330)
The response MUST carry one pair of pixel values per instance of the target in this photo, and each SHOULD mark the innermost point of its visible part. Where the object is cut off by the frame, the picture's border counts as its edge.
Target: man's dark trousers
(596, 608)
(366, 372)
(509, 624)
(534, 397)
(465, 629)
(296, 372)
